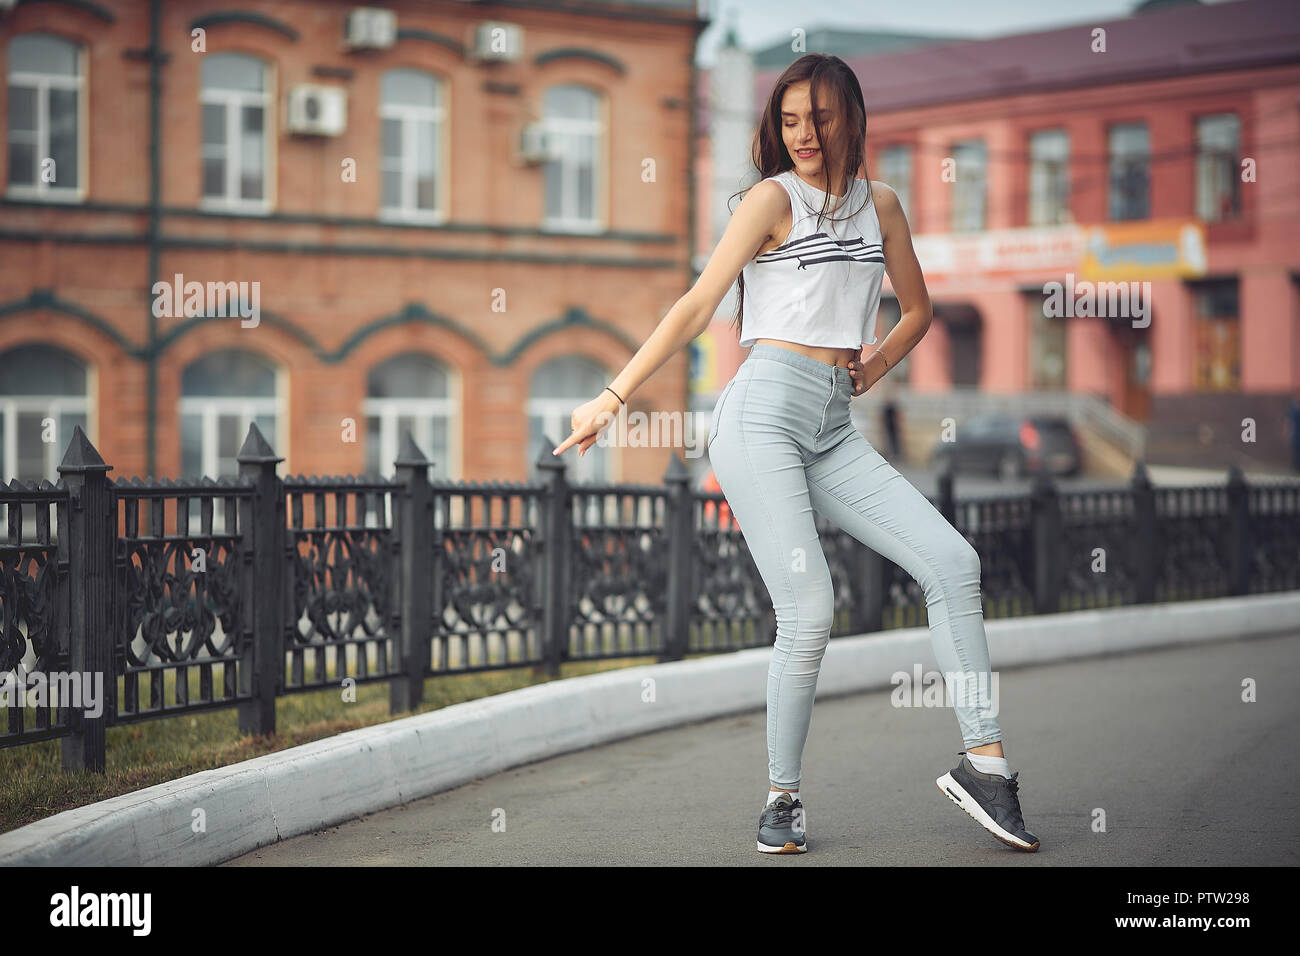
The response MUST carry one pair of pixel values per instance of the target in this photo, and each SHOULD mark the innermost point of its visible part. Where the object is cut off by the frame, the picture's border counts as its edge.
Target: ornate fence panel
(730, 609)
(183, 623)
(194, 595)
(486, 577)
(1100, 550)
(1193, 541)
(1274, 537)
(34, 610)
(620, 565)
(339, 577)
(1001, 530)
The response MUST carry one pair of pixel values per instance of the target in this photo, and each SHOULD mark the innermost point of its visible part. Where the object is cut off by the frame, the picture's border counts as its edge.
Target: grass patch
(33, 784)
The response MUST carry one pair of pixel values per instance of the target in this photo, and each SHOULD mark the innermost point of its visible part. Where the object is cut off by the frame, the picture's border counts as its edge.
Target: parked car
(1011, 446)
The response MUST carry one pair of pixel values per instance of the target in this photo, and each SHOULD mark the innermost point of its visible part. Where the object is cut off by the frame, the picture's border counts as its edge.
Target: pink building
(1156, 155)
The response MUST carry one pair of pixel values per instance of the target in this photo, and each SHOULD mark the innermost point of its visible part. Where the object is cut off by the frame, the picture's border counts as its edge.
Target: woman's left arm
(908, 284)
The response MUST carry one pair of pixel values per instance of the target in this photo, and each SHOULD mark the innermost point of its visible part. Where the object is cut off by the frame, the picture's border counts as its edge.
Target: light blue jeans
(781, 444)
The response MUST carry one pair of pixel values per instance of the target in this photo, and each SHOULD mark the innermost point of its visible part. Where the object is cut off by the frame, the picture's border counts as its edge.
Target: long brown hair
(771, 157)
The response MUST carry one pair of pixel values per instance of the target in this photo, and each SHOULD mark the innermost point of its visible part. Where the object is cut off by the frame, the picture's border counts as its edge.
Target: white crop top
(820, 287)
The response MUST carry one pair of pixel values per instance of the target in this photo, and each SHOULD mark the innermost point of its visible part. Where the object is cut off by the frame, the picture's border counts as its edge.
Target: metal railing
(307, 583)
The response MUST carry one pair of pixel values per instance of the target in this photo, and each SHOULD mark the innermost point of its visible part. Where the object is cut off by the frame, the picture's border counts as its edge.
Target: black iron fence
(203, 594)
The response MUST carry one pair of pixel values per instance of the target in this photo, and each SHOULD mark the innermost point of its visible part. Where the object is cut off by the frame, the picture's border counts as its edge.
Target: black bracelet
(616, 395)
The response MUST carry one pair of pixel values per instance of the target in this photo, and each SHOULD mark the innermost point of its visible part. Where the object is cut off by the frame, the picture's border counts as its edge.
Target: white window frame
(1209, 156)
(424, 411)
(1118, 152)
(233, 101)
(966, 185)
(555, 414)
(408, 116)
(43, 83)
(210, 407)
(896, 171)
(47, 406)
(564, 130)
(1048, 164)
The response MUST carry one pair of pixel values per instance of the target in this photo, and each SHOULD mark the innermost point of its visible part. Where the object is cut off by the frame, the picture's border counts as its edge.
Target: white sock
(986, 764)
(773, 794)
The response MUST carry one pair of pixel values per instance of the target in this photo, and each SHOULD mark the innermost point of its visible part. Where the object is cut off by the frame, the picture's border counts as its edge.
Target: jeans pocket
(716, 418)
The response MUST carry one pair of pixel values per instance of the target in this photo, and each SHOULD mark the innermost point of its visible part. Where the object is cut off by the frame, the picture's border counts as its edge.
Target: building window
(236, 148)
(45, 100)
(557, 388)
(1218, 182)
(573, 133)
(1049, 178)
(409, 393)
(968, 195)
(412, 119)
(1218, 336)
(42, 398)
(1130, 161)
(221, 395)
(896, 170)
(1047, 345)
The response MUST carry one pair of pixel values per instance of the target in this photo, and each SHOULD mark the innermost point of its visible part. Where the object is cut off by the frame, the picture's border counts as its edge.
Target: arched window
(236, 150)
(558, 387)
(42, 398)
(410, 392)
(221, 394)
(575, 141)
(45, 98)
(412, 118)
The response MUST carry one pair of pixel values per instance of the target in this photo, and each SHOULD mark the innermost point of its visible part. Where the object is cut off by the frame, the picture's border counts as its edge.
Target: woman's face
(799, 134)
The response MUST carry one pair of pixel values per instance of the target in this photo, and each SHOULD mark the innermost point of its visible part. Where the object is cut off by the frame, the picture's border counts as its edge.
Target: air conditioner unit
(370, 28)
(498, 42)
(318, 110)
(534, 144)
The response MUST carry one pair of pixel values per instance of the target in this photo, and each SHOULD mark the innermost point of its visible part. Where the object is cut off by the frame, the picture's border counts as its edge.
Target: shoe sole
(954, 791)
(790, 847)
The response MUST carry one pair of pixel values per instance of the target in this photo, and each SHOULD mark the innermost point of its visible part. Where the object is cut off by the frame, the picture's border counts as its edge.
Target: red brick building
(462, 219)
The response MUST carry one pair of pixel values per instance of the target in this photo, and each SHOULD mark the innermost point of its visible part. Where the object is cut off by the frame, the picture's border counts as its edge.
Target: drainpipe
(156, 58)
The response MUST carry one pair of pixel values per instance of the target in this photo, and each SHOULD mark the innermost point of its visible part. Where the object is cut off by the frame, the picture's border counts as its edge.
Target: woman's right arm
(750, 226)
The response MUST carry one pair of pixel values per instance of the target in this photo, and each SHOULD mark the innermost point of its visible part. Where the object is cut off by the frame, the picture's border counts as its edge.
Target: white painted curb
(278, 795)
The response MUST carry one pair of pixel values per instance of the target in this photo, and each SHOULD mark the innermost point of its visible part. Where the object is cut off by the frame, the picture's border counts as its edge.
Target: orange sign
(1149, 249)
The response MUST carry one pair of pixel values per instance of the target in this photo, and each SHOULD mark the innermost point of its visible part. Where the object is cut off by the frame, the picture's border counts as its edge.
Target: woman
(782, 444)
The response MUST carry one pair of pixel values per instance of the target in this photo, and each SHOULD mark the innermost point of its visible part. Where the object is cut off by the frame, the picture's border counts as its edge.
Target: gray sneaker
(992, 800)
(781, 826)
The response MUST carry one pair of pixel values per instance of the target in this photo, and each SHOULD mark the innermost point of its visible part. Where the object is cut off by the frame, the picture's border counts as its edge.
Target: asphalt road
(1186, 773)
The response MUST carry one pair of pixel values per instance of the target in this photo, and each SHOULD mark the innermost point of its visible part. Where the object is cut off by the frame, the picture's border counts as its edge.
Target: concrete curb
(278, 795)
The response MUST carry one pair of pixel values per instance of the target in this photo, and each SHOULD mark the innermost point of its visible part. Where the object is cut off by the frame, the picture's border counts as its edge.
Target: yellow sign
(1149, 249)
(704, 363)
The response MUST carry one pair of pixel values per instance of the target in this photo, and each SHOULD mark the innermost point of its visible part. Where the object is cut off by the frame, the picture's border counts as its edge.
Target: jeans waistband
(836, 374)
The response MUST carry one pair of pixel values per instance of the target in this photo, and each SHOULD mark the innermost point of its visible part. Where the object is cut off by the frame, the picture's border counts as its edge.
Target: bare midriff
(827, 356)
